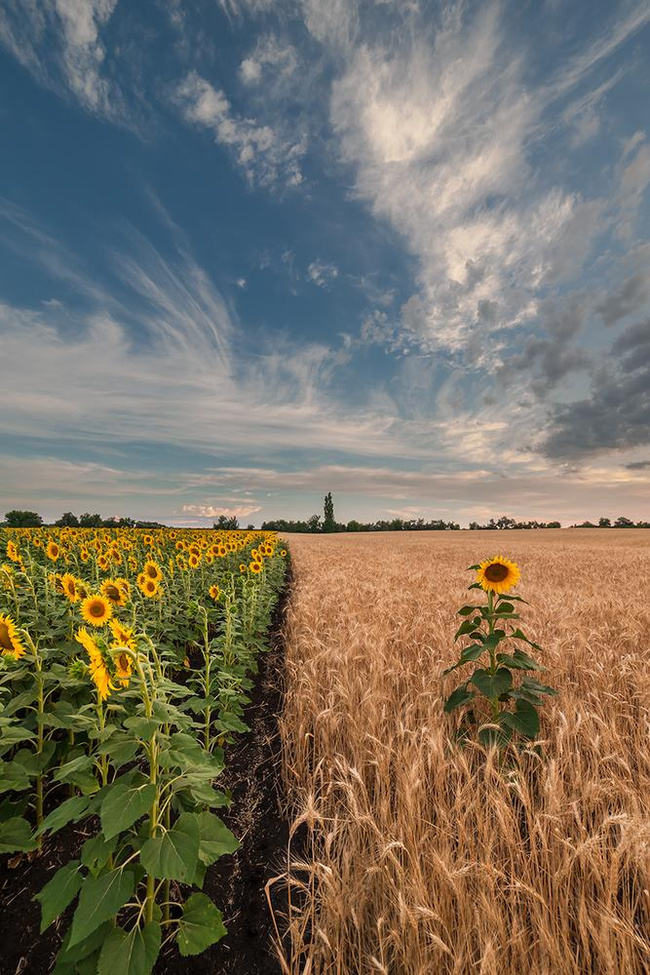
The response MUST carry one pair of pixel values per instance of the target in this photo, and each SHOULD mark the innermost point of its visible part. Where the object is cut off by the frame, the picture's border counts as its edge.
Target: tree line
(315, 523)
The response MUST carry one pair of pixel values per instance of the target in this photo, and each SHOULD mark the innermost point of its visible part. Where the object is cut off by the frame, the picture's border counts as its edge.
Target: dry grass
(428, 859)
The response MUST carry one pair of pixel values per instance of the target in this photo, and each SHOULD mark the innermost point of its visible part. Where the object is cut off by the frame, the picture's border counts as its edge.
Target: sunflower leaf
(492, 685)
(460, 696)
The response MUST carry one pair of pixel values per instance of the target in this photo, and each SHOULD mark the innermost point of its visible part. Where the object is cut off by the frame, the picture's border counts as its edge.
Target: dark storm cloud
(617, 413)
(629, 299)
(552, 357)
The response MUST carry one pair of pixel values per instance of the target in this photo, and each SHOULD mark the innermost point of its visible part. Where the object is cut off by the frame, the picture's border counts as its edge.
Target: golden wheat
(416, 857)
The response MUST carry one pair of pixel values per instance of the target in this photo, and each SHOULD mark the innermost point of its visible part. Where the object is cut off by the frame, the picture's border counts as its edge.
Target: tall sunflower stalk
(496, 708)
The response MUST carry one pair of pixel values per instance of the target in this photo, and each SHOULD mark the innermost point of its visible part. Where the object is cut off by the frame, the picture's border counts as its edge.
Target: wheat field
(410, 856)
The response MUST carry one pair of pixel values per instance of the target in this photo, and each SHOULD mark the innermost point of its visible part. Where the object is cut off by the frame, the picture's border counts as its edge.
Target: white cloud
(440, 128)
(265, 155)
(60, 43)
(322, 274)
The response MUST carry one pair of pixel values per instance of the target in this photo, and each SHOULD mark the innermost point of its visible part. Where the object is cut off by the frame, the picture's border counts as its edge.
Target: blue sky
(257, 250)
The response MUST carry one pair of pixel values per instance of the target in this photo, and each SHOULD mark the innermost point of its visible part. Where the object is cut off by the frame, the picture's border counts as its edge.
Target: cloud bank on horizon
(256, 251)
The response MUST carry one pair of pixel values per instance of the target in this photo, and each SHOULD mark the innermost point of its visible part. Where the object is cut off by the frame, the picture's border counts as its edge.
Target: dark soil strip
(235, 883)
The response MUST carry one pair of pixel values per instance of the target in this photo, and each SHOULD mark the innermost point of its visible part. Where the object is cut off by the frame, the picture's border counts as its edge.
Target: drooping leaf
(518, 635)
(519, 660)
(467, 610)
(529, 683)
(467, 626)
(130, 953)
(173, 855)
(200, 926)
(96, 851)
(470, 653)
(123, 805)
(460, 696)
(59, 892)
(525, 719)
(100, 899)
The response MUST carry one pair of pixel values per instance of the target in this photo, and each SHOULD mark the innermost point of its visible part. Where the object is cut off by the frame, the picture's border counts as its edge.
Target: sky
(252, 251)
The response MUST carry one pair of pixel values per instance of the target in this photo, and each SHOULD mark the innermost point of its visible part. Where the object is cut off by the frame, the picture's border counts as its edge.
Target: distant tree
(604, 523)
(86, 520)
(329, 524)
(554, 524)
(623, 522)
(474, 526)
(23, 519)
(225, 523)
(67, 520)
(353, 526)
(250, 528)
(313, 523)
(397, 525)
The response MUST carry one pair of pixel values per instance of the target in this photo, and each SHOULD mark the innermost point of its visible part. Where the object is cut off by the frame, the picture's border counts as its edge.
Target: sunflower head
(214, 592)
(498, 574)
(152, 570)
(52, 551)
(96, 610)
(70, 587)
(115, 591)
(10, 642)
(255, 567)
(98, 670)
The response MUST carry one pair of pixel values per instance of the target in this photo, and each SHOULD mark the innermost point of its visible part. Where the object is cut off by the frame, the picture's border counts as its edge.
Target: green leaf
(71, 809)
(518, 635)
(96, 851)
(16, 836)
(490, 736)
(13, 778)
(505, 607)
(100, 899)
(525, 719)
(59, 892)
(215, 838)
(529, 683)
(519, 660)
(467, 610)
(173, 855)
(467, 626)
(142, 727)
(124, 805)
(70, 958)
(492, 685)
(200, 926)
(132, 953)
(469, 653)
(474, 568)
(460, 696)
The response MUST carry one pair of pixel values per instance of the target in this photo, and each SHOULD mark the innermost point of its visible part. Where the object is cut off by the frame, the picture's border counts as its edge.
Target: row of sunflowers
(126, 658)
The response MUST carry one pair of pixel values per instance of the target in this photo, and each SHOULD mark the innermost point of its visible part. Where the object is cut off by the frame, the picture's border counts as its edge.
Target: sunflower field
(126, 658)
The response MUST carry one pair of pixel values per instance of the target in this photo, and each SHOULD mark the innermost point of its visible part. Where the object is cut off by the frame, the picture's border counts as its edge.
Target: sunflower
(96, 610)
(283, 553)
(84, 554)
(149, 587)
(498, 574)
(152, 571)
(242, 567)
(70, 587)
(194, 561)
(123, 667)
(98, 669)
(10, 642)
(115, 591)
(103, 563)
(214, 592)
(255, 567)
(122, 635)
(52, 551)
(12, 552)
